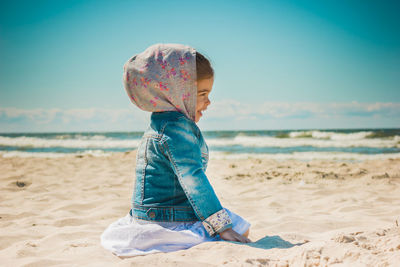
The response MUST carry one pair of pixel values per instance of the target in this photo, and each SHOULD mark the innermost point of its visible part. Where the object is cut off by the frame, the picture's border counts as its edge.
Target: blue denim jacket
(171, 184)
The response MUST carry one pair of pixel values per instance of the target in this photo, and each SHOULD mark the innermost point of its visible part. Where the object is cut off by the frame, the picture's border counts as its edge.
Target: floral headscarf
(163, 78)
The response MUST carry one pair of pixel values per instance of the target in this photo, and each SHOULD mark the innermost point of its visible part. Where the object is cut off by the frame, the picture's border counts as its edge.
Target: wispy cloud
(227, 114)
(234, 108)
(84, 119)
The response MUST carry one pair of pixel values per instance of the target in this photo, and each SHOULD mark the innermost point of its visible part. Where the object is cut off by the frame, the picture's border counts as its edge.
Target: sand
(53, 211)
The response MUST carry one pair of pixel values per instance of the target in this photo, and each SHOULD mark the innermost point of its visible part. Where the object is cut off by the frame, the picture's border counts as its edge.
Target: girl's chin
(198, 116)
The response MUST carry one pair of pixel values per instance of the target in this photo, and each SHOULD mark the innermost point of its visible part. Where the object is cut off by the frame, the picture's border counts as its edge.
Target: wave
(306, 156)
(268, 141)
(302, 156)
(80, 137)
(96, 141)
(316, 134)
(20, 154)
(331, 135)
(321, 139)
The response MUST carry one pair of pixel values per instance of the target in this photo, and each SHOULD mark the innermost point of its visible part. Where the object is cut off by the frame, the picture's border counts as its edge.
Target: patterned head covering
(163, 78)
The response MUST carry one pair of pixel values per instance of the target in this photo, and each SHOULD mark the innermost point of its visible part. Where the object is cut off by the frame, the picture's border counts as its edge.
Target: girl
(173, 204)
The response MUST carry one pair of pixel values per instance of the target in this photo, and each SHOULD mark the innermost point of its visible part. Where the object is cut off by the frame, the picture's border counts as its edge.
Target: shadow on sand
(269, 242)
(266, 242)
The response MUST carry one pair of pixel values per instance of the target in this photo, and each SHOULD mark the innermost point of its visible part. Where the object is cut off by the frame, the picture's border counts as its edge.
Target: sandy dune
(53, 211)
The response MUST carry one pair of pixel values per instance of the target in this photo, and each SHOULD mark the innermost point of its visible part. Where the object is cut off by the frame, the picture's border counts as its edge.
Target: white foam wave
(267, 141)
(82, 142)
(297, 138)
(80, 136)
(331, 135)
(305, 156)
(21, 154)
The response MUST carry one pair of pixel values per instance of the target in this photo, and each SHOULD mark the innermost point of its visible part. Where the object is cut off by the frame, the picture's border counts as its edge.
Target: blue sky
(278, 64)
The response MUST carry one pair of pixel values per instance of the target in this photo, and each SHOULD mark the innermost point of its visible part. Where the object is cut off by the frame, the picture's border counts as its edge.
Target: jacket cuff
(217, 222)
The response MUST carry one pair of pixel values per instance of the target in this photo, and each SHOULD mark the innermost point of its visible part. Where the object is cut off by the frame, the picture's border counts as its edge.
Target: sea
(305, 145)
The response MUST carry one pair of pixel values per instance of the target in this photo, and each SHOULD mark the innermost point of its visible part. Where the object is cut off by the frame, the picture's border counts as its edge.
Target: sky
(278, 64)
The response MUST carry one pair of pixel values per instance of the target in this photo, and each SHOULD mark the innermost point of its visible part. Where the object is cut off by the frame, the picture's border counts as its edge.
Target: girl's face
(204, 87)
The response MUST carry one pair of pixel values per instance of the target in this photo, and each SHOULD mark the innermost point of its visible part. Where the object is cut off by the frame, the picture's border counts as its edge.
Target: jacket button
(152, 214)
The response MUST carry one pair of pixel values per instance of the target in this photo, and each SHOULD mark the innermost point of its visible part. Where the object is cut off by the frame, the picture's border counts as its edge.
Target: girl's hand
(231, 235)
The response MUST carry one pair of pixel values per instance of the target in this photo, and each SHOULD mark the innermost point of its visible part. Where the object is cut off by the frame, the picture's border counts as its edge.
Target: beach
(317, 213)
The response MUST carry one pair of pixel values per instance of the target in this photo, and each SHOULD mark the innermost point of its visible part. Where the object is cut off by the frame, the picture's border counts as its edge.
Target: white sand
(346, 212)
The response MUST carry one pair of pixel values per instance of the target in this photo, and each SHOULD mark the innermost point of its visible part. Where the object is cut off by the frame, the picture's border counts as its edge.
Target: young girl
(173, 204)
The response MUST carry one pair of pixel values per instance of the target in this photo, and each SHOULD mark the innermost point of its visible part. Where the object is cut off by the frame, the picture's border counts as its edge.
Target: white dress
(130, 237)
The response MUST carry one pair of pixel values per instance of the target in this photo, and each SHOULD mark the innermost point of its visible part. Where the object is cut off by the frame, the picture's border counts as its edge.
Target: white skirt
(130, 237)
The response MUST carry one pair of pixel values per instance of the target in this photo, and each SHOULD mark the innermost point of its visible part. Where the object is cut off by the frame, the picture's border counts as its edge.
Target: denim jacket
(171, 184)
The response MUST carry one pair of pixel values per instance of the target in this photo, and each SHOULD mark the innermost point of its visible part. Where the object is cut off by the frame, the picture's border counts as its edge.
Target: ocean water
(342, 144)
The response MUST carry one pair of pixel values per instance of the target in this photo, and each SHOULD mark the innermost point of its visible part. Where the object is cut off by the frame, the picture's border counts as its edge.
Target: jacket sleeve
(183, 150)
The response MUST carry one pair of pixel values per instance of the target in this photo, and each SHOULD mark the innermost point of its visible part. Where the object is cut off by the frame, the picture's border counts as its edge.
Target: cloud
(234, 108)
(84, 119)
(226, 114)
(232, 114)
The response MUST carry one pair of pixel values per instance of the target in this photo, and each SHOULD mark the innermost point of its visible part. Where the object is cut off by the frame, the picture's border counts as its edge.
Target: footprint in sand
(78, 208)
(69, 222)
